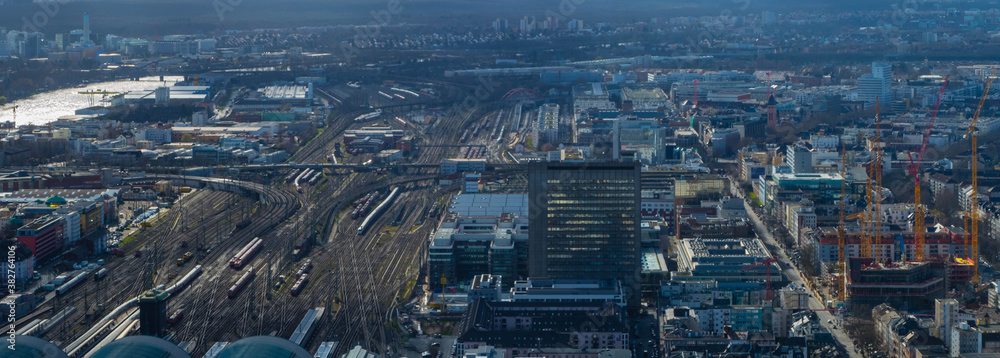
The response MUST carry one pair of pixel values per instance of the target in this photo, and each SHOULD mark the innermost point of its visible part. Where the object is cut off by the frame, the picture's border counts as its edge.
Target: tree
(809, 263)
(23, 85)
(947, 203)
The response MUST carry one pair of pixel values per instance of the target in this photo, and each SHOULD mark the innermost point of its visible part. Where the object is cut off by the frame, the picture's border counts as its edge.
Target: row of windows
(595, 202)
(563, 214)
(590, 181)
(601, 193)
(588, 191)
(605, 228)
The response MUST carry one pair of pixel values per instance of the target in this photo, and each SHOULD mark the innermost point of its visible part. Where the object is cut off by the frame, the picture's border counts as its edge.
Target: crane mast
(877, 211)
(842, 265)
(973, 203)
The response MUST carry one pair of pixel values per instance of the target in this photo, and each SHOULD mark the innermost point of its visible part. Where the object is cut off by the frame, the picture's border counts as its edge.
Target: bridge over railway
(254, 168)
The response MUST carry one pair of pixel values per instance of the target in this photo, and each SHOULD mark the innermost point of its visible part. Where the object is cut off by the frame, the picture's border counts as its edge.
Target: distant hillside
(136, 17)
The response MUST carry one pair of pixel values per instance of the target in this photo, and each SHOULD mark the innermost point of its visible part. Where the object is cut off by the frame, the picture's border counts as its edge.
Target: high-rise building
(768, 17)
(86, 30)
(500, 25)
(878, 84)
(584, 222)
(153, 313)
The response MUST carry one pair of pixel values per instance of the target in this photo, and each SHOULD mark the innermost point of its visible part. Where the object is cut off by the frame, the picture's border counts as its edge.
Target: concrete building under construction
(913, 285)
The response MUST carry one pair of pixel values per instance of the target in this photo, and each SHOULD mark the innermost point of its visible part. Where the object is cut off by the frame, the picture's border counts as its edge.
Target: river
(48, 106)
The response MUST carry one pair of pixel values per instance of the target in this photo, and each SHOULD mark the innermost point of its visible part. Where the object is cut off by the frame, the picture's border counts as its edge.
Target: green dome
(263, 347)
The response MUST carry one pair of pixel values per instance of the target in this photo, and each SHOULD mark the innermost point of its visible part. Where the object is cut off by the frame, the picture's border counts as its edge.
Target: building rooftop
(358, 352)
(32, 347)
(807, 176)
(489, 204)
(140, 347)
(31, 195)
(653, 261)
(263, 347)
(286, 92)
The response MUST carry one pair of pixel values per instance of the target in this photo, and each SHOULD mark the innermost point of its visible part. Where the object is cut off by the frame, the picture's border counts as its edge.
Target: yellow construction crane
(104, 94)
(842, 265)
(919, 224)
(973, 203)
(871, 226)
(864, 217)
(877, 168)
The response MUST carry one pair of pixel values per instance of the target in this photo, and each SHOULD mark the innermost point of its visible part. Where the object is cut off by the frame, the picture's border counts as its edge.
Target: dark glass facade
(584, 221)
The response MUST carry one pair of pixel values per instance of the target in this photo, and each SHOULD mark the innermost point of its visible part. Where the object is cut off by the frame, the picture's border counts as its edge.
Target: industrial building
(276, 97)
(373, 139)
(645, 98)
(163, 95)
(458, 165)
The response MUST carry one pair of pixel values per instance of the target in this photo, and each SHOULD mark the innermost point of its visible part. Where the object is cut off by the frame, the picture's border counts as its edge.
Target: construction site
(906, 265)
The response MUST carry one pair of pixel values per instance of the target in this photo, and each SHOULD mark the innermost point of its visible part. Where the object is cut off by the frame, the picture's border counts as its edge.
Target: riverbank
(45, 107)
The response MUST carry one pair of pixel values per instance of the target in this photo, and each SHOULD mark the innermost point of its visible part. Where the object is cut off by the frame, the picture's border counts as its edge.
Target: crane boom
(767, 265)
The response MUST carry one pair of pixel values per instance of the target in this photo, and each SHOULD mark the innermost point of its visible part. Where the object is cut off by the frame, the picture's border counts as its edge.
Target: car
(437, 335)
(435, 344)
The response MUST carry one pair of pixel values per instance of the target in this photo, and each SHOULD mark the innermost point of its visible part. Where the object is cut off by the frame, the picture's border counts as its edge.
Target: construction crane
(877, 217)
(919, 227)
(842, 265)
(104, 94)
(866, 239)
(767, 265)
(973, 203)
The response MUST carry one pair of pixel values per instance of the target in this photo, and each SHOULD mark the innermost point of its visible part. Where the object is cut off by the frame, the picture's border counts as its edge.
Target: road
(793, 275)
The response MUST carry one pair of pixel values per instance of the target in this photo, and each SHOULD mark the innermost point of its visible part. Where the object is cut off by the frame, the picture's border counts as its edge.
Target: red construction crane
(767, 264)
(914, 169)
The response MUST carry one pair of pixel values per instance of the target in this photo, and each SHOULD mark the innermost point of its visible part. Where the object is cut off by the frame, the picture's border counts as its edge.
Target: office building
(518, 328)
(877, 84)
(548, 130)
(724, 260)
(481, 234)
(584, 222)
(44, 236)
(153, 313)
(645, 138)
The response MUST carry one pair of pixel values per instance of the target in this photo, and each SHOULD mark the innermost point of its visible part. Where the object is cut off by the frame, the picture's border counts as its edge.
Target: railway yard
(362, 269)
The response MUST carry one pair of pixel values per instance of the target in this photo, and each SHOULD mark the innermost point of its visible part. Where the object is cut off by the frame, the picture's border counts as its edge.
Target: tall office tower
(86, 29)
(877, 84)
(584, 222)
(153, 313)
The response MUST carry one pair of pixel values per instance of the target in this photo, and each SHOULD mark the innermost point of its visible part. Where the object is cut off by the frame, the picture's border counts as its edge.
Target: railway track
(366, 272)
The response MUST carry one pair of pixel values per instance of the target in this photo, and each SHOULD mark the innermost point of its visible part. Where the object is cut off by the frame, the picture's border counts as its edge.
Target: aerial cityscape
(472, 179)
